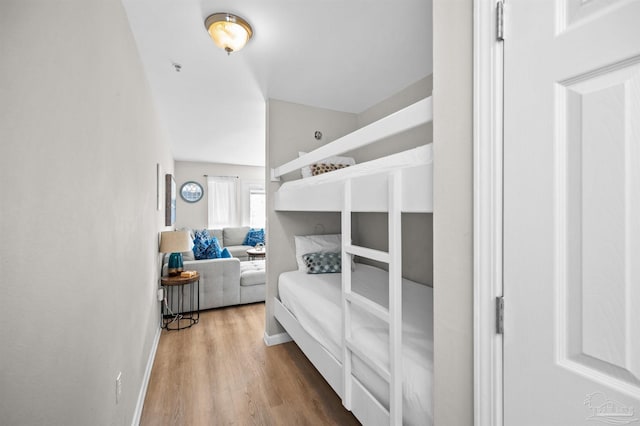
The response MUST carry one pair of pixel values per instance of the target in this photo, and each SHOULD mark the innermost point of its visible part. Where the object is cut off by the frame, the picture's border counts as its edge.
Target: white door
(572, 212)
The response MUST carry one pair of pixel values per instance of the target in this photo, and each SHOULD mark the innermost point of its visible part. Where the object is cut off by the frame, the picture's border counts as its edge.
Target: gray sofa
(226, 282)
(230, 281)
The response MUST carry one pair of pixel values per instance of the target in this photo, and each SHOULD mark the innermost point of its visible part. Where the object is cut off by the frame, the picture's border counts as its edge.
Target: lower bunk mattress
(315, 301)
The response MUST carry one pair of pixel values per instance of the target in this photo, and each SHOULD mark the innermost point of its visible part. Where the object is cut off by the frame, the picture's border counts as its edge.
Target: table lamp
(175, 242)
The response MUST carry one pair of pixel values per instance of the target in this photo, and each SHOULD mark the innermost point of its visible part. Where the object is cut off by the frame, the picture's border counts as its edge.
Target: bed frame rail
(407, 118)
(365, 406)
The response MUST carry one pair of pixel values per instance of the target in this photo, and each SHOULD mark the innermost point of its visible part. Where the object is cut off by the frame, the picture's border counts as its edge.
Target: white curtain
(223, 209)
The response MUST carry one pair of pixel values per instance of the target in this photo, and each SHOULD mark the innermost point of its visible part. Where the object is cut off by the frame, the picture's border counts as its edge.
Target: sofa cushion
(234, 236)
(252, 273)
(188, 255)
(239, 251)
(218, 234)
(252, 294)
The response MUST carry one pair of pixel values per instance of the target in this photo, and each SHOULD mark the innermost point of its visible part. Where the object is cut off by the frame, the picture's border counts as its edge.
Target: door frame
(487, 213)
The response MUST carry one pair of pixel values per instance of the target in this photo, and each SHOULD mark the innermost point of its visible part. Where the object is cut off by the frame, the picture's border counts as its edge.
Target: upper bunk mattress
(369, 181)
(315, 301)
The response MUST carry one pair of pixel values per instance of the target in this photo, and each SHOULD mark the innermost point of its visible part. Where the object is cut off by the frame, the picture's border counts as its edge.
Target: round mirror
(191, 192)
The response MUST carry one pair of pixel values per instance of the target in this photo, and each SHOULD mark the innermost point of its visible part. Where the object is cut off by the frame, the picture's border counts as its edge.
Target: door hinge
(500, 21)
(500, 315)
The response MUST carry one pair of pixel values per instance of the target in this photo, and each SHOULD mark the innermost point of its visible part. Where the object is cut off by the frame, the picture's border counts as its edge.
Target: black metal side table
(180, 310)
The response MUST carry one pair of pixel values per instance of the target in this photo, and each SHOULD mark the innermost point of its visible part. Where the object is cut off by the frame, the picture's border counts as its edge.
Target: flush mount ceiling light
(229, 32)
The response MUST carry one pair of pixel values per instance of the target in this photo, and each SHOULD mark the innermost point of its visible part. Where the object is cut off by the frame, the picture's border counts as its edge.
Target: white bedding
(315, 300)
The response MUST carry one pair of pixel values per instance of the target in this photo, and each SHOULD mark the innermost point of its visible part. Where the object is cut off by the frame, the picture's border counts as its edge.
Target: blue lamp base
(175, 264)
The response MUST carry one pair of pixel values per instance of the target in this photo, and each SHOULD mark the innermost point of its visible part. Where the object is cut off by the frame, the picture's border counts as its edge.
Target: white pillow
(306, 244)
(306, 170)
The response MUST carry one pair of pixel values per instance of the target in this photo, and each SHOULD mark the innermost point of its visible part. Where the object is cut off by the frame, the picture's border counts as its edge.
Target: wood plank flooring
(220, 372)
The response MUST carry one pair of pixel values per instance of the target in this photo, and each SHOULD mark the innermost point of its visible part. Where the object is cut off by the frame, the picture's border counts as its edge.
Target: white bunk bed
(395, 184)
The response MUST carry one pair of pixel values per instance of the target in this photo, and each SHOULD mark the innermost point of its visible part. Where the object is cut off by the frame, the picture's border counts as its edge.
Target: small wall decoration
(169, 200)
(191, 192)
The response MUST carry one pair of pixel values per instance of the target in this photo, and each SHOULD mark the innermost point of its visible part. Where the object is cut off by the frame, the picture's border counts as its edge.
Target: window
(257, 208)
(222, 207)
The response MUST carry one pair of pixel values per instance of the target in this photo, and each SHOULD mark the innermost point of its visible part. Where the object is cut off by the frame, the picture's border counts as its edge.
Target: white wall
(194, 215)
(291, 128)
(453, 211)
(79, 143)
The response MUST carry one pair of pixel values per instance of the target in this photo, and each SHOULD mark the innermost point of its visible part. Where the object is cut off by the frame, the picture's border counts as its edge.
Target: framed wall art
(169, 200)
(159, 187)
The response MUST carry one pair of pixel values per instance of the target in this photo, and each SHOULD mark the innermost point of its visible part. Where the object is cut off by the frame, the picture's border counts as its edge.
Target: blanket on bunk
(315, 301)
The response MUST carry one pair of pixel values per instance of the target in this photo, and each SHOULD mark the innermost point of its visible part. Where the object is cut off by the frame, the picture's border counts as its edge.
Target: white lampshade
(229, 32)
(175, 241)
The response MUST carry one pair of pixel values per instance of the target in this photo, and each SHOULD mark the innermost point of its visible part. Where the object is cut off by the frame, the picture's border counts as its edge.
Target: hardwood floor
(220, 372)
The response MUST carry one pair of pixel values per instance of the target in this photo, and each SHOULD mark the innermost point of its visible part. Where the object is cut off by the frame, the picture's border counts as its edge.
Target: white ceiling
(343, 55)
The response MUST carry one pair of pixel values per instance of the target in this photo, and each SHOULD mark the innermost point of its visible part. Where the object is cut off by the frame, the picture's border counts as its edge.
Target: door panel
(599, 190)
(576, 12)
(572, 212)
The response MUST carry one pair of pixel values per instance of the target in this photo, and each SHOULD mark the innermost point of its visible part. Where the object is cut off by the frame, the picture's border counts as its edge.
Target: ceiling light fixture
(229, 32)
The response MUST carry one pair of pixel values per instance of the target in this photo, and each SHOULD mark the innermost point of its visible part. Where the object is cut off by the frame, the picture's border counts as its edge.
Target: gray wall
(79, 143)
(406, 140)
(453, 211)
(290, 128)
(194, 215)
(371, 230)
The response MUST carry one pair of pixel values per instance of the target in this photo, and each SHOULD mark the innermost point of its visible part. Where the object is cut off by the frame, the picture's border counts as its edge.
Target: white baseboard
(145, 380)
(276, 339)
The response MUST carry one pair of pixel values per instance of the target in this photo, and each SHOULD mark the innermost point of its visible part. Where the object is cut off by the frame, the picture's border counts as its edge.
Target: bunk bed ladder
(392, 315)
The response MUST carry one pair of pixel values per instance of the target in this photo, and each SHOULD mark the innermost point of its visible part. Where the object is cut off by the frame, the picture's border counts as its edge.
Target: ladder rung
(380, 256)
(368, 305)
(384, 373)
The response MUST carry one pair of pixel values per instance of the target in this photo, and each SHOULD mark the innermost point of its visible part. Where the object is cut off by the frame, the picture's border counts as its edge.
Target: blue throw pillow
(225, 253)
(254, 236)
(201, 242)
(206, 246)
(214, 251)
